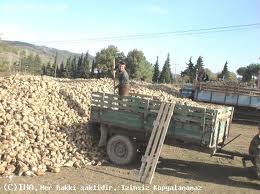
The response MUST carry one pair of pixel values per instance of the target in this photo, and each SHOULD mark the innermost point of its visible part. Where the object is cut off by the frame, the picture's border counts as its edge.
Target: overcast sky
(42, 22)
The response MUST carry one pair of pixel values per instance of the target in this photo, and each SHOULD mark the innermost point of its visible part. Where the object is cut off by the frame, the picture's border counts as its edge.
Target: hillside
(12, 51)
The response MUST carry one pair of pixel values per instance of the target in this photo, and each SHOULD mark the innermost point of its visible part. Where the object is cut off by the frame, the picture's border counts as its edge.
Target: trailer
(246, 101)
(125, 125)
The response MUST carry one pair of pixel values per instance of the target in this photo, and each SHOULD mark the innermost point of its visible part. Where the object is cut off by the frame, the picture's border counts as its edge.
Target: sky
(75, 23)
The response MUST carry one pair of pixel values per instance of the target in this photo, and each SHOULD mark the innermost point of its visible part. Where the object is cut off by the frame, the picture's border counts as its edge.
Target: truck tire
(253, 148)
(121, 150)
(254, 151)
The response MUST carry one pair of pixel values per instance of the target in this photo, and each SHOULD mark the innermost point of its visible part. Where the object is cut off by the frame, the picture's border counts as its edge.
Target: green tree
(93, 67)
(166, 75)
(144, 72)
(199, 65)
(190, 71)
(55, 65)
(43, 70)
(231, 77)
(104, 60)
(244, 72)
(4, 65)
(138, 67)
(49, 69)
(62, 71)
(120, 57)
(212, 76)
(73, 67)
(253, 69)
(54, 70)
(224, 74)
(249, 72)
(68, 68)
(27, 63)
(86, 66)
(156, 72)
(80, 67)
(134, 60)
(36, 64)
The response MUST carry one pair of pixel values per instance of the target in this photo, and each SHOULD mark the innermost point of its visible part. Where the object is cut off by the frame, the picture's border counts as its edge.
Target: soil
(178, 168)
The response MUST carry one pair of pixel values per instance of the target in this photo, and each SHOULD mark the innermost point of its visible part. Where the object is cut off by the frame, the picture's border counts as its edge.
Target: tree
(27, 63)
(134, 60)
(74, 67)
(54, 70)
(55, 64)
(156, 72)
(166, 75)
(212, 76)
(190, 71)
(30, 64)
(43, 70)
(104, 60)
(49, 70)
(62, 71)
(144, 71)
(120, 57)
(36, 64)
(253, 70)
(225, 69)
(248, 72)
(199, 65)
(231, 77)
(93, 67)
(224, 74)
(244, 72)
(80, 68)
(138, 67)
(68, 68)
(86, 66)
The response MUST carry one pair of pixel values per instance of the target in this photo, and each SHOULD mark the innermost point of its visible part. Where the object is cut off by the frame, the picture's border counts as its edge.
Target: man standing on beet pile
(123, 86)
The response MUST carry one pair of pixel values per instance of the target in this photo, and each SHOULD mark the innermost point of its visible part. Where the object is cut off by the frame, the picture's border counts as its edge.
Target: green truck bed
(206, 127)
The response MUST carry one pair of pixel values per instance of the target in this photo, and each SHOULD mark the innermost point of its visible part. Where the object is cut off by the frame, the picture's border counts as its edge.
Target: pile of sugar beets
(44, 122)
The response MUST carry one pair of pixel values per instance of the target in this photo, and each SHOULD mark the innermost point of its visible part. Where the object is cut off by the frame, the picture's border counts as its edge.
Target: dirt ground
(179, 168)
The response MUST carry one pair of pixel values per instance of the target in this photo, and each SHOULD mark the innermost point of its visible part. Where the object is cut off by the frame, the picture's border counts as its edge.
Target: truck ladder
(153, 150)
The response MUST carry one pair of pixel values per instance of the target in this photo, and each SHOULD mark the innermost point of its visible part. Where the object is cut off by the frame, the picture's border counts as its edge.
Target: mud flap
(103, 136)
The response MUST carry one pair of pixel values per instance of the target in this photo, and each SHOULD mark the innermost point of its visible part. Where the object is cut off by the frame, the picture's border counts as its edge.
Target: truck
(245, 100)
(125, 124)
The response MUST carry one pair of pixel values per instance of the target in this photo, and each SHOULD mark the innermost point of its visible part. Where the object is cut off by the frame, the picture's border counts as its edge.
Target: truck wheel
(121, 150)
(254, 151)
(253, 148)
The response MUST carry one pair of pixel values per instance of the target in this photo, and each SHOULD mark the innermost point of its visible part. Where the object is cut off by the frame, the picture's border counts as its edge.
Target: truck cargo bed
(245, 100)
(205, 127)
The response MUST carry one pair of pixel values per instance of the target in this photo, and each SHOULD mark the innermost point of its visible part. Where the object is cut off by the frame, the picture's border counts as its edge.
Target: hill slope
(12, 51)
